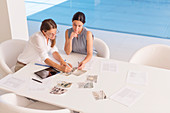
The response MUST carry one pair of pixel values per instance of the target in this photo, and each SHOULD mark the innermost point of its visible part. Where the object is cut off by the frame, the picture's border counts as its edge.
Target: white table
(156, 98)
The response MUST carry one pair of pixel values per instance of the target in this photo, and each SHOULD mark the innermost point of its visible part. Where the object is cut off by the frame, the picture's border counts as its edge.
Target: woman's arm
(57, 66)
(89, 39)
(68, 43)
(40, 47)
(57, 56)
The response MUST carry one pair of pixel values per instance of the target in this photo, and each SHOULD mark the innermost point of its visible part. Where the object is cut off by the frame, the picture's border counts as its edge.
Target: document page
(127, 96)
(89, 64)
(139, 78)
(109, 66)
(11, 82)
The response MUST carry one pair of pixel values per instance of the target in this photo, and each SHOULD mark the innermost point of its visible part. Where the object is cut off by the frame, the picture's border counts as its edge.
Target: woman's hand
(66, 68)
(66, 64)
(81, 65)
(63, 63)
(73, 34)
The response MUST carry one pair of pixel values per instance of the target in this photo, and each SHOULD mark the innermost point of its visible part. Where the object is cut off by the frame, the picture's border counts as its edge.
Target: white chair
(12, 103)
(156, 55)
(101, 48)
(9, 51)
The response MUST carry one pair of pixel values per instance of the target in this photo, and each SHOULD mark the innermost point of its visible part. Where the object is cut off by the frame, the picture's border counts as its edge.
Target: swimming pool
(141, 17)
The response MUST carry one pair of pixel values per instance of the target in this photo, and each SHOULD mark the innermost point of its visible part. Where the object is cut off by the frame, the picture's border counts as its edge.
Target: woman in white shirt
(38, 47)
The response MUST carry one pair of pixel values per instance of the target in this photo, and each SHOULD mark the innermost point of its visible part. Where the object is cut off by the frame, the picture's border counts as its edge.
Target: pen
(36, 80)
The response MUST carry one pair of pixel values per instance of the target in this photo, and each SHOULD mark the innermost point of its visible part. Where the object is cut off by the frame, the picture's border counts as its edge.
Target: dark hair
(79, 16)
(46, 25)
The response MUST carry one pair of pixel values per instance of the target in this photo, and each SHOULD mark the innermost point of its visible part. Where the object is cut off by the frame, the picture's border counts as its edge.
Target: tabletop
(114, 78)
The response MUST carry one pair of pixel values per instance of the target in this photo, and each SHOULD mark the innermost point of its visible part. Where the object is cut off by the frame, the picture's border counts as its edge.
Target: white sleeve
(40, 47)
(54, 49)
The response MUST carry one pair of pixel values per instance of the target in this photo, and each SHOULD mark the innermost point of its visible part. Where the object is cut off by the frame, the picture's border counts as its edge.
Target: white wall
(13, 20)
(122, 46)
(5, 31)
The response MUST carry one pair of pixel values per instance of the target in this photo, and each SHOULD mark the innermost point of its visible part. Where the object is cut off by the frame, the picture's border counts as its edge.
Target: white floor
(122, 46)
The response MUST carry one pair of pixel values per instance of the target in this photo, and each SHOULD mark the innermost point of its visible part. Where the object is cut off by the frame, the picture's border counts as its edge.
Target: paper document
(127, 96)
(99, 95)
(76, 72)
(140, 78)
(75, 59)
(92, 78)
(11, 82)
(88, 65)
(109, 66)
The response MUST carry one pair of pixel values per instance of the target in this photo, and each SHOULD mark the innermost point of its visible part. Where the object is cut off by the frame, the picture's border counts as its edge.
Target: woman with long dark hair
(78, 39)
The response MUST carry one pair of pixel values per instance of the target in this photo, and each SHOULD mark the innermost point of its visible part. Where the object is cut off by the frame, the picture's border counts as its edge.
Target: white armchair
(12, 103)
(101, 48)
(9, 51)
(156, 55)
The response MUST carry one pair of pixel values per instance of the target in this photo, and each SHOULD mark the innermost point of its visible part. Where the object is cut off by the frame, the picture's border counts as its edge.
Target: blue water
(143, 17)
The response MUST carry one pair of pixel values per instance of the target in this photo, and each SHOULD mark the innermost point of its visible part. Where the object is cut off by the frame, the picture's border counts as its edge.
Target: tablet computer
(48, 72)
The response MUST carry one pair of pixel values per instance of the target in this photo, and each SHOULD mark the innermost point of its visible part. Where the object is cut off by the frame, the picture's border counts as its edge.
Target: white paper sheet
(127, 96)
(109, 66)
(139, 78)
(12, 82)
(88, 65)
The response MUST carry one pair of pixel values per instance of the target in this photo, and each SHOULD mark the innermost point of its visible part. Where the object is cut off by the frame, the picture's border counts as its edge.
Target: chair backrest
(156, 55)
(9, 51)
(12, 103)
(101, 48)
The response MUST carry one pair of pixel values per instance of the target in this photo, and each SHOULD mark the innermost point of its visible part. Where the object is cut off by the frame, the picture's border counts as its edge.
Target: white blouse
(37, 49)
